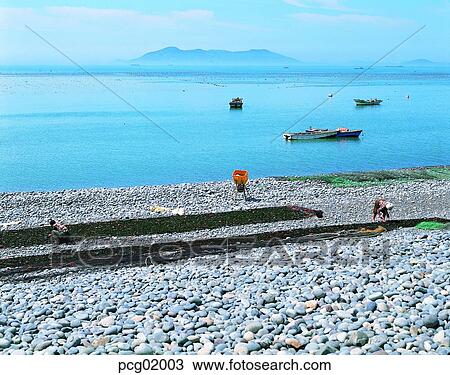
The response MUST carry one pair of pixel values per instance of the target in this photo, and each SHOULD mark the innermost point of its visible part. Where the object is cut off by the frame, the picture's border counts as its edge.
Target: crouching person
(59, 234)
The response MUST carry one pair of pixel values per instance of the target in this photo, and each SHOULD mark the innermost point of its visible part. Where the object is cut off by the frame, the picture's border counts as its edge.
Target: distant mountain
(176, 56)
(420, 62)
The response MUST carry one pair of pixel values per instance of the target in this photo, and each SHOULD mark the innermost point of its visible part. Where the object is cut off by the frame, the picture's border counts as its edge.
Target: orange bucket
(240, 177)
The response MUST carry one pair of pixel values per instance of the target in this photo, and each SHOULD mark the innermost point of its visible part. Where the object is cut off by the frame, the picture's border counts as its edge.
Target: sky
(312, 31)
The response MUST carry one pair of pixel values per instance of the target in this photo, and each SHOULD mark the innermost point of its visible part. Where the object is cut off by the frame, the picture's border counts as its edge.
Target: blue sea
(61, 128)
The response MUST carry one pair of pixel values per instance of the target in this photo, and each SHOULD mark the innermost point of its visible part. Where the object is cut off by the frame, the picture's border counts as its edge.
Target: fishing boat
(345, 132)
(310, 135)
(236, 102)
(367, 101)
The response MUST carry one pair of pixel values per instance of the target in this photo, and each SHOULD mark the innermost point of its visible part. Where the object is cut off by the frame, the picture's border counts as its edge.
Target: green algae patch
(361, 179)
(431, 225)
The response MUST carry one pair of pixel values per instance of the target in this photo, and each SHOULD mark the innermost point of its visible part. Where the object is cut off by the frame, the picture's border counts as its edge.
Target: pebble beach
(387, 294)
(315, 305)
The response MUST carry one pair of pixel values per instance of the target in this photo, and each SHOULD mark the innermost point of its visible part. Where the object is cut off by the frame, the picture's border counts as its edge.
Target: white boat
(310, 135)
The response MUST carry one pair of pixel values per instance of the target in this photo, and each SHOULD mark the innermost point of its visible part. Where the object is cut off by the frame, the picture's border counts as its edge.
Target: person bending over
(60, 234)
(381, 209)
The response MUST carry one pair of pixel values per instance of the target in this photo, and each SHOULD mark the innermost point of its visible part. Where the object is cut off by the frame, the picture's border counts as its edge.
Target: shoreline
(308, 177)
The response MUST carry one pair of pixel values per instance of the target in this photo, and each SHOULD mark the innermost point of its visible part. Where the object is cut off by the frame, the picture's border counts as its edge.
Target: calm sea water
(60, 129)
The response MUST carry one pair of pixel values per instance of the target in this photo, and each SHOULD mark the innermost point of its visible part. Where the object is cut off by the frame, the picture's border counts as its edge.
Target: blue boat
(344, 132)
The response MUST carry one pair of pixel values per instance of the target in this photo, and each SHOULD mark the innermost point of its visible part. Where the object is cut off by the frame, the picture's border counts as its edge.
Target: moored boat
(344, 132)
(310, 135)
(367, 101)
(236, 102)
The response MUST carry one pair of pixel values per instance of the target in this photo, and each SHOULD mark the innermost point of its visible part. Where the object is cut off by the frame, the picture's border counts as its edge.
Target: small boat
(344, 132)
(236, 102)
(368, 101)
(309, 135)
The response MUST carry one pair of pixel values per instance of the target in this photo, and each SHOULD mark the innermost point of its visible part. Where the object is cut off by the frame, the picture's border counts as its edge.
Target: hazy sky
(325, 31)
